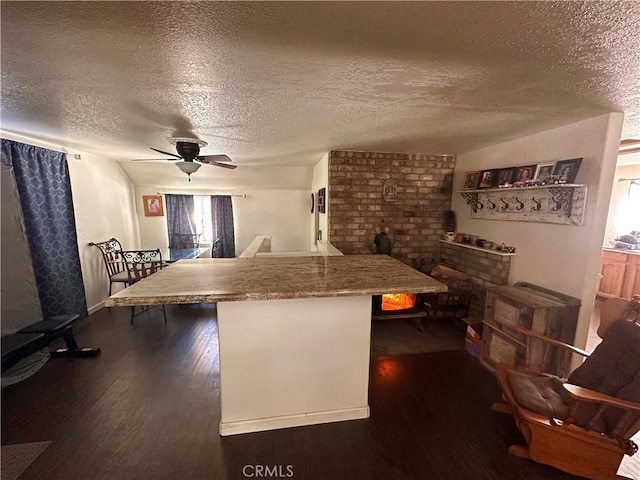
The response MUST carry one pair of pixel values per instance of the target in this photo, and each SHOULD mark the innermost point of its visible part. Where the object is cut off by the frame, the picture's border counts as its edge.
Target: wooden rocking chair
(582, 425)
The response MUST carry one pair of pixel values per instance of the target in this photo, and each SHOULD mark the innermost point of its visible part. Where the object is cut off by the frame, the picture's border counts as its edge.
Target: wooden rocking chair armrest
(531, 333)
(585, 395)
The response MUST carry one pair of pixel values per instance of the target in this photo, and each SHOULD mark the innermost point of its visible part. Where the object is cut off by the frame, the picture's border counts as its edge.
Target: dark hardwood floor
(148, 408)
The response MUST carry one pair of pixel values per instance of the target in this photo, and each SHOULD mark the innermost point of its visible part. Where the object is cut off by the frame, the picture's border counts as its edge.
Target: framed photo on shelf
(566, 170)
(505, 176)
(488, 179)
(153, 205)
(471, 180)
(321, 200)
(524, 174)
(544, 171)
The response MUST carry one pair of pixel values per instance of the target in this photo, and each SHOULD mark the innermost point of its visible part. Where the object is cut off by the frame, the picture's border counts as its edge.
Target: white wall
(618, 210)
(153, 230)
(281, 213)
(103, 199)
(319, 221)
(559, 257)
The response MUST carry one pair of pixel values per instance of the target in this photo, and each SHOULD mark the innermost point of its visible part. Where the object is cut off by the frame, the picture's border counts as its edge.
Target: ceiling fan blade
(213, 158)
(154, 159)
(165, 153)
(223, 165)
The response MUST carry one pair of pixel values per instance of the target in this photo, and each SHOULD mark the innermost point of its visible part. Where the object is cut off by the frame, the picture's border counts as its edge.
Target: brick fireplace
(359, 207)
(358, 203)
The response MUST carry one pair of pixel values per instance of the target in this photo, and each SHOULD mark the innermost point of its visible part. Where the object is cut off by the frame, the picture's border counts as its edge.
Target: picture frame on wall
(153, 206)
(471, 180)
(544, 171)
(505, 176)
(488, 178)
(524, 174)
(321, 200)
(566, 170)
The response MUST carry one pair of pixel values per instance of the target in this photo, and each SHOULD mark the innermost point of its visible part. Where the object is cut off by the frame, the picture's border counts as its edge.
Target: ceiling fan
(189, 151)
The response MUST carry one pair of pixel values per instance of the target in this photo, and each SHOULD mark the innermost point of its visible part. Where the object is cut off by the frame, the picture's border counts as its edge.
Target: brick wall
(485, 269)
(414, 219)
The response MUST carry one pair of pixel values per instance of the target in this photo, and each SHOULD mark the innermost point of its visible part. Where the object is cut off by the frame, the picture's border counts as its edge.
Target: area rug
(15, 458)
(403, 336)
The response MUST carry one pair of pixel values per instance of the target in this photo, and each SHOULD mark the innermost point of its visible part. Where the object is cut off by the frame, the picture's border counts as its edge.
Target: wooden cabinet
(631, 283)
(552, 314)
(613, 266)
(619, 274)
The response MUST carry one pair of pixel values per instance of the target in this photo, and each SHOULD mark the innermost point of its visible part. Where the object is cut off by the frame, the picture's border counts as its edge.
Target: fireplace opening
(392, 305)
(397, 301)
(396, 305)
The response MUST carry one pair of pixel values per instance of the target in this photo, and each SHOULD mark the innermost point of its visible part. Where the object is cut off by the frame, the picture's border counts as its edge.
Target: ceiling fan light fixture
(174, 141)
(188, 167)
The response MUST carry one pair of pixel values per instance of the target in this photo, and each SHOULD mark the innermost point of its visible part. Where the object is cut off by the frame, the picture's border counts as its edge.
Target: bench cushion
(15, 347)
(14, 343)
(51, 325)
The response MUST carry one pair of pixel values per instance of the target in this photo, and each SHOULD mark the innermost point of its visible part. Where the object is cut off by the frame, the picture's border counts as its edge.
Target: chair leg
(164, 314)
(519, 451)
(133, 310)
(502, 407)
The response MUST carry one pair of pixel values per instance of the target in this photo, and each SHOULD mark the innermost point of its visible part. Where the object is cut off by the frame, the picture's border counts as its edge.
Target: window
(627, 219)
(202, 220)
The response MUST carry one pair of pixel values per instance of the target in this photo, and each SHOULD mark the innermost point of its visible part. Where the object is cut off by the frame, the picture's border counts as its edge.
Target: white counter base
(294, 362)
(262, 424)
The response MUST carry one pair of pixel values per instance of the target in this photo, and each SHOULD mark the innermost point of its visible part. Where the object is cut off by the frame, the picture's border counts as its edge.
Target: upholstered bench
(17, 346)
(60, 326)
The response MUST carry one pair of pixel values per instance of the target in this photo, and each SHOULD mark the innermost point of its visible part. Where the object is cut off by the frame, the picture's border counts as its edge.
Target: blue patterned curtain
(222, 222)
(179, 216)
(44, 188)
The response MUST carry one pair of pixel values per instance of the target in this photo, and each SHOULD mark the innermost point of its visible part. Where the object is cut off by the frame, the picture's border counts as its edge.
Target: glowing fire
(398, 301)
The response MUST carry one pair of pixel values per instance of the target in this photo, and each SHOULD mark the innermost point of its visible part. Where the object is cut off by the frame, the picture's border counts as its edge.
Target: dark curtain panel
(44, 188)
(179, 216)
(222, 222)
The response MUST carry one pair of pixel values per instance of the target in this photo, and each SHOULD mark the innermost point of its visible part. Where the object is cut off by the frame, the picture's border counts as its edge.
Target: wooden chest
(550, 313)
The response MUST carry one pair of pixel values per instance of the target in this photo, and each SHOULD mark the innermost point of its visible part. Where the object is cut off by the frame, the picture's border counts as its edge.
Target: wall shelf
(471, 247)
(562, 204)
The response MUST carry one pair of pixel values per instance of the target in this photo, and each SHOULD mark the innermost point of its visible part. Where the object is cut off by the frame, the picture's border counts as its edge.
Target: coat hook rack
(537, 206)
(562, 204)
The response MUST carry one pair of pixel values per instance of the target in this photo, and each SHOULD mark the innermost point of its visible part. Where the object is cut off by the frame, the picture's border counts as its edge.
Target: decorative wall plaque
(389, 191)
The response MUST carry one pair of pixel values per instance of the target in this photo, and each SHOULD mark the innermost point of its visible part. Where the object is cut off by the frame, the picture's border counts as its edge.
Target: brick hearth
(486, 269)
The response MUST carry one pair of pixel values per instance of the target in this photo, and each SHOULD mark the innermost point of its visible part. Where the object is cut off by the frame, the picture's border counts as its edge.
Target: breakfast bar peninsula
(294, 331)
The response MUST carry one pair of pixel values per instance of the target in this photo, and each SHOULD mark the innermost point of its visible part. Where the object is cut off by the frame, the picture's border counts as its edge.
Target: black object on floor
(60, 326)
(29, 340)
(15, 347)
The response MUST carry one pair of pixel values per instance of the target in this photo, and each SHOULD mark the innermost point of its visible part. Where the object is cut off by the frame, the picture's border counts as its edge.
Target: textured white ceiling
(278, 83)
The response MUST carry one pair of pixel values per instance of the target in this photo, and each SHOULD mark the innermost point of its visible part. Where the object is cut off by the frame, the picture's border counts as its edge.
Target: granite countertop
(270, 278)
(621, 250)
